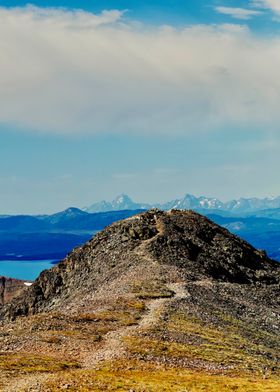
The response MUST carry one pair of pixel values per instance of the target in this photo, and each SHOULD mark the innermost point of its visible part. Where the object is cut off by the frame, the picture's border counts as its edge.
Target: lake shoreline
(52, 256)
(25, 269)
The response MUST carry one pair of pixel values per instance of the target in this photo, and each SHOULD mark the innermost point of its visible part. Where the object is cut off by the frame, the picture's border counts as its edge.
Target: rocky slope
(160, 301)
(10, 288)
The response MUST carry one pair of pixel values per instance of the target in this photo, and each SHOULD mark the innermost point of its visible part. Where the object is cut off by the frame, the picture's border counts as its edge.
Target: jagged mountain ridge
(202, 203)
(121, 202)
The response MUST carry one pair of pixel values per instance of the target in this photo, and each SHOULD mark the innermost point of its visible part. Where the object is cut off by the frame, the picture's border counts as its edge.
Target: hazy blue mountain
(51, 236)
(273, 213)
(22, 223)
(65, 216)
(72, 220)
(246, 224)
(39, 246)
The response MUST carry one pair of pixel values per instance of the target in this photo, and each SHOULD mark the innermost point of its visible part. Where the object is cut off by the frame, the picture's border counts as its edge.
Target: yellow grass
(139, 378)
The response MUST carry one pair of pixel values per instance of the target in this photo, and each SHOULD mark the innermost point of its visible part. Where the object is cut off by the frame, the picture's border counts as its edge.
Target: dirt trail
(141, 250)
(114, 346)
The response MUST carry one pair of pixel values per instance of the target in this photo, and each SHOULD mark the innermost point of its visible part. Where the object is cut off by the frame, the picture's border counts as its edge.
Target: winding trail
(114, 347)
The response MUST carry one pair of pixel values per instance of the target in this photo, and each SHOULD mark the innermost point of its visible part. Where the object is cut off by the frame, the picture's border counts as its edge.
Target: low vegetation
(151, 290)
(182, 340)
(138, 377)
(29, 363)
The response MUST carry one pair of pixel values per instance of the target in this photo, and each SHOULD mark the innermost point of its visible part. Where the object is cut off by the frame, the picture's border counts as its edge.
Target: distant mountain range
(200, 204)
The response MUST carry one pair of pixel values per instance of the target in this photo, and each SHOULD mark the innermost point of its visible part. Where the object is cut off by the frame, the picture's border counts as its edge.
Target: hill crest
(181, 241)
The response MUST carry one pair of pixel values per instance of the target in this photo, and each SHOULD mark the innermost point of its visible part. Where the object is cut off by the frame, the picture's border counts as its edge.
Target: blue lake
(25, 270)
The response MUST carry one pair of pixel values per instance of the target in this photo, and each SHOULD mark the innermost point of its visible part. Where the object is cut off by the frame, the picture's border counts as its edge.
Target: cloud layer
(238, 13)
(72, 71)
(273, 5)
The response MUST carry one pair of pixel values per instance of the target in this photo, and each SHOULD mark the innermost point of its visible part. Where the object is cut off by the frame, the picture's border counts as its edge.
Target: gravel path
(114, 346)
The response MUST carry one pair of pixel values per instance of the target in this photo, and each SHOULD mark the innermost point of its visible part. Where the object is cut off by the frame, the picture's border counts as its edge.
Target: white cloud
(72, 72)
(238, 13)
(273, 5)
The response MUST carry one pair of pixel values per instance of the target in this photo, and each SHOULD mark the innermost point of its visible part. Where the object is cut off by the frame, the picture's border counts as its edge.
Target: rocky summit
(161, 301)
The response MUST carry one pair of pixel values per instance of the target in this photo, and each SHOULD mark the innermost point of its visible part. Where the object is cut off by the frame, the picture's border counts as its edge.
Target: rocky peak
(170, 241)
(203, 248)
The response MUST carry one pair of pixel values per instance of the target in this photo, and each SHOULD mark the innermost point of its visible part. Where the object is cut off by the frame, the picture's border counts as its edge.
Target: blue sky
(154, 99)
(179, 12)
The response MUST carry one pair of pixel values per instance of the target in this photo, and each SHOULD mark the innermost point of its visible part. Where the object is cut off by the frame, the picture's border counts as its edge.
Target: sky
(150, 98)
